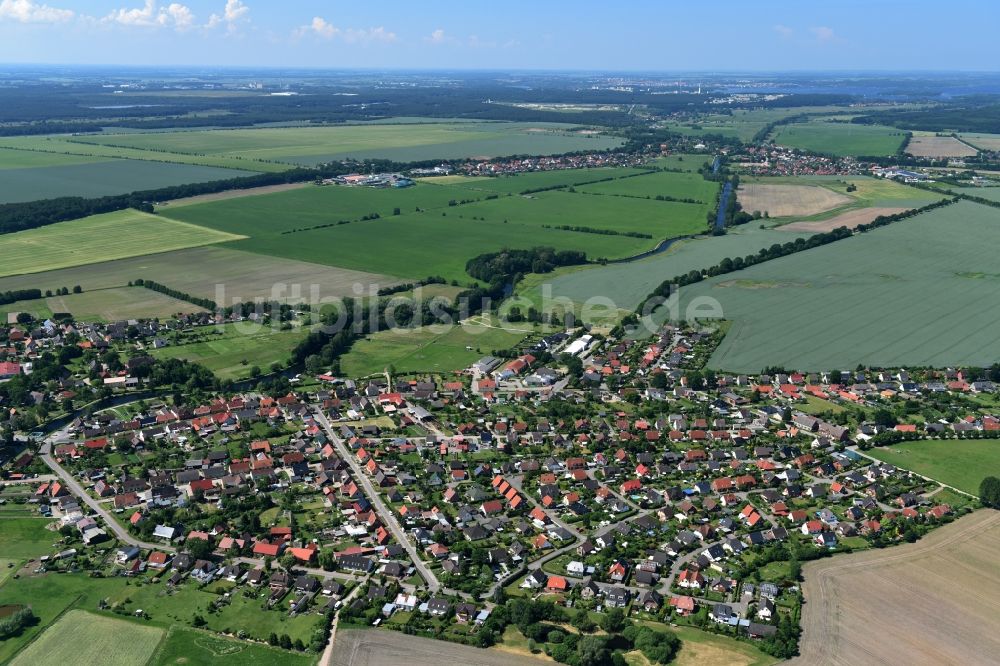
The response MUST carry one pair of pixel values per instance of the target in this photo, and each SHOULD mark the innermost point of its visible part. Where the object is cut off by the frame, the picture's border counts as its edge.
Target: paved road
(388, 518)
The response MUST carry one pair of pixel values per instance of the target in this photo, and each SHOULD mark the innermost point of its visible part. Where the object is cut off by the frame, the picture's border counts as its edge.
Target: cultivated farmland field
(841, 138)
(933, 602)
(80, 637)
(909, 294)
(402, 142)
(939, 146)
(850, 219)
(991, 193)
(197, 271)
(663, 183)
(961, 463)
(59, 146)
(101, 178)
(125, 233)
(119, 303)
(785, 200)
(374, 647)
(627, 284)
(535, 180)
(982, 141)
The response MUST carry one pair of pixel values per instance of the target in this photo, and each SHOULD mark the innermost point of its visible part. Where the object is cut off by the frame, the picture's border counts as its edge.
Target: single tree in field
(989, 492)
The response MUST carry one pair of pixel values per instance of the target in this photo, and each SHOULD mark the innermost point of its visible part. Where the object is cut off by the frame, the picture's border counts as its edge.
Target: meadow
(961, 463)
(80, 637)
(910, 294)
(125, 233)
(230, 350)
(119, 303)
(26, 537)
(242, 276)
(193, 647)
(401, 142)
(841, 139)
(424, 350)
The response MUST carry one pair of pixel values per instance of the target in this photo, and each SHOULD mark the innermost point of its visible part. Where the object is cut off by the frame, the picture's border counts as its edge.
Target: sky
(640, 35)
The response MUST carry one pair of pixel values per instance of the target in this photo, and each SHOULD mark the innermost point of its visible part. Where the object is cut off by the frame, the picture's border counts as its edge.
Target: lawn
(80, 637)
(192, 647)
(891, 297)
(402, 142)
(961, 463)
(102, 178)
(841, 138)
(423, 350)
(119, 303)
(238, 347)
(126, 233)
(26, 537)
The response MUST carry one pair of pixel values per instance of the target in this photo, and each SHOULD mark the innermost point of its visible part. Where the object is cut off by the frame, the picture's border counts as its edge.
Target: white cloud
(323, 28)
(235, 10)
(823, 33)
(173, 15)
(437, 37)
(180, 15)
(784, 30)
(28, 11)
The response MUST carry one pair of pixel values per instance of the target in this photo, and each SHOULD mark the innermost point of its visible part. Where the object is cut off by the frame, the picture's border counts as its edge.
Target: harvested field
(198, 270)
(849, 219)
(983, 141)
(939, 146)
(789, 200)
(936, 601)
(370, 647)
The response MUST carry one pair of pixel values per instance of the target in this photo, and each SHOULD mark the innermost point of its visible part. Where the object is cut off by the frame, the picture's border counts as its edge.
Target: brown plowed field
(789, 200)
(850, 219)
(932, 603)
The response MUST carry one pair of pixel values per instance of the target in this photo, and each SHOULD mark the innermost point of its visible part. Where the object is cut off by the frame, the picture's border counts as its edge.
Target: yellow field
(127, 233)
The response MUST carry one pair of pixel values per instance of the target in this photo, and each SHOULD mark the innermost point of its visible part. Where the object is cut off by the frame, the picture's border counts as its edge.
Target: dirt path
(936, 601)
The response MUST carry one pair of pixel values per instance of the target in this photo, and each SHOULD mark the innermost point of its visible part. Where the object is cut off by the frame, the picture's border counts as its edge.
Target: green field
(126, 233)
(120, 303)
(270, 214)
(627, 284)
(101, 178)
(910, 294)
(80, 637)
(31, 159)
(197, 270)
(192, 647)
(38, 308)
(424, 350)
(659, 219)
(403, 142)
(232, 351)
(519, 183)
(841, 139)
(59, 146)
(739, 123)
(23, 537)
(664, 183)
(991, 193)
(961, 463)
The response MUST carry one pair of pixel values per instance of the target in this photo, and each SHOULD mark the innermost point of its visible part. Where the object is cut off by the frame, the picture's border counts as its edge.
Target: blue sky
(668, 35)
